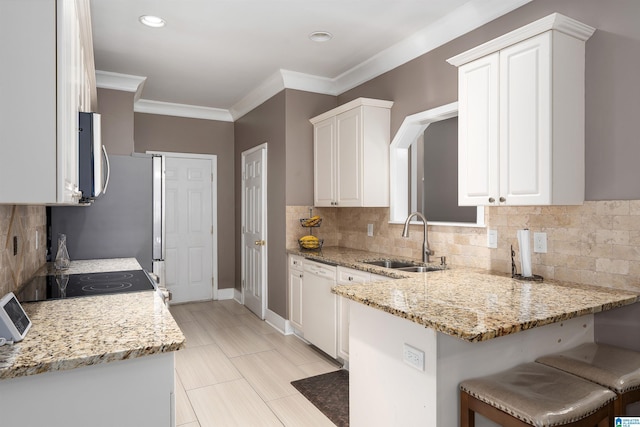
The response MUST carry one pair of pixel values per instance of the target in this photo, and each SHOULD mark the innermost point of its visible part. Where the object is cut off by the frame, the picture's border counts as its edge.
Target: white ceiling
(219, 59)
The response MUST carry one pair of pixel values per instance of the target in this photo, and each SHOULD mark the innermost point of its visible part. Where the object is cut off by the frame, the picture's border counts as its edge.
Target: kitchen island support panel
(385, 390)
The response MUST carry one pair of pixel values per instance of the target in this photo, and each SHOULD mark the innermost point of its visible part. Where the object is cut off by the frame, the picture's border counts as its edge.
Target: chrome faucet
(425, 244)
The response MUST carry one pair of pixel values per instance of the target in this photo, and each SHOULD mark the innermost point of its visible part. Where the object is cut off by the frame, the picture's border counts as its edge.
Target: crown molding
(467, 17)
(119, 81)
(276, 83)
(267, 89)
(181, 110)
(462, 20)
(555, 21)
(359, 102)
(309, 82)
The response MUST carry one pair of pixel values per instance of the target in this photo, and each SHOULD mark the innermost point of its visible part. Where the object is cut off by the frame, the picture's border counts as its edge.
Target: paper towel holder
(514, 272)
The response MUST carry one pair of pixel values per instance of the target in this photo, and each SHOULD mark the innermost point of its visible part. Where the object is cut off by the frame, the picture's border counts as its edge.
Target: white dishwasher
(320, 306)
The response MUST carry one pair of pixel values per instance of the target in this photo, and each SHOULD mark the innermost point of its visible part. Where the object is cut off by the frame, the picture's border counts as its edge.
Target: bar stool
(533, 394)
(613, 367)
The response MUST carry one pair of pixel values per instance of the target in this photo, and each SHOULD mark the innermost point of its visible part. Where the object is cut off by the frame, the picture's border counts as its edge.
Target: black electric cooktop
(59, 286)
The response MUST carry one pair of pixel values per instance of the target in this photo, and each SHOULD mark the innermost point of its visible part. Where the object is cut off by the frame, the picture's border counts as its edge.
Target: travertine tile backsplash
(595, 243)
(22, 222)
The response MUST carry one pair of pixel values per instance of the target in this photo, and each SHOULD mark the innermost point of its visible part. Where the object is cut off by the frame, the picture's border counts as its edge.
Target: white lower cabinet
(315, 312)
(348, 276)
(295, 292)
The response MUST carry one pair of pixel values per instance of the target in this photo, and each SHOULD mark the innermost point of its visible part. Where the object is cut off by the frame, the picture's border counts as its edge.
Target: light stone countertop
(469, 304)
(93, 266)
(76, 332)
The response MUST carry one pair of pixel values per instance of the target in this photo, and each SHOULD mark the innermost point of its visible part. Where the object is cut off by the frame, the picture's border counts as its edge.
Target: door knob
(260, 242)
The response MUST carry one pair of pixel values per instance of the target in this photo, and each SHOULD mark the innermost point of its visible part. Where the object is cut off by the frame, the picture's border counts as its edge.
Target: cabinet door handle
(492, 200)
(301, 276)
(502, 200)
(350, 278)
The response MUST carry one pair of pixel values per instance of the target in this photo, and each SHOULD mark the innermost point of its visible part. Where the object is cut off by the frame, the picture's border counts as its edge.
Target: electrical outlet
(492, 239)
(413, 357)
(540, 243)
(370, 230)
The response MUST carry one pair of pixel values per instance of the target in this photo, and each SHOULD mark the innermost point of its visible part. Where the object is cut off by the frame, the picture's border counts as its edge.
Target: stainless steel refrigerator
(158, 251)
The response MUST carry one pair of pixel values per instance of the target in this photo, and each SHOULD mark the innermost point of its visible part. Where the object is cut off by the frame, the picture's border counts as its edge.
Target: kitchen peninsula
(100, 360)
(464, 323)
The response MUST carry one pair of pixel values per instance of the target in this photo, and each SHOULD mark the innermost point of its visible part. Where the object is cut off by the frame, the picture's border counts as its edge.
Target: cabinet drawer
(295, 262)
(349, 275)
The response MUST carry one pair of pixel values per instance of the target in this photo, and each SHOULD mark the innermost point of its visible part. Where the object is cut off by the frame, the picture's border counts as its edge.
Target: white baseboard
(226, 293)
(237, 295)
(278, 322)
(275, 320)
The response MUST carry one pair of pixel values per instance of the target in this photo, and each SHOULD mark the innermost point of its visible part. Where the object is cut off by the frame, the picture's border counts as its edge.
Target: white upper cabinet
(351, 154)
(521, 116)
(50, 78)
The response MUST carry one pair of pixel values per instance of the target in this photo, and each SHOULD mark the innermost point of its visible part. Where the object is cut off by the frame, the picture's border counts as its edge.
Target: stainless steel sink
(421, 268)
(387, 263)
(408, 266)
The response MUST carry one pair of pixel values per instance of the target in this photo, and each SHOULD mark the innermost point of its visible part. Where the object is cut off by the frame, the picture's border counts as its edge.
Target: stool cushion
(539, 395)
(613, 367)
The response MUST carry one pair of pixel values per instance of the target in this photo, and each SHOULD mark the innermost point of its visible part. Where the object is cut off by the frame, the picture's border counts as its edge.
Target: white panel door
(254, 233)
(478, 132)
(525, 122)
(189, 228)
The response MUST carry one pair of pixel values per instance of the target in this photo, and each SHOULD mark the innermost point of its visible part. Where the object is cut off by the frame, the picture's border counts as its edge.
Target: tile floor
(236, 370)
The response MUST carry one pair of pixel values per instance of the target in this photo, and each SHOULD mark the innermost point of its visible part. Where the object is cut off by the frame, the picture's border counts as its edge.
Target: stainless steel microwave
(92, 157)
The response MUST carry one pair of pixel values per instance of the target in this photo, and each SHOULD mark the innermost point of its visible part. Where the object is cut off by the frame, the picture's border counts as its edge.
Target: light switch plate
(370, 230)
(492, 239)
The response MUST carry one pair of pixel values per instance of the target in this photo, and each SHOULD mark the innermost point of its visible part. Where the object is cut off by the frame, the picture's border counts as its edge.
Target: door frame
(265, 270)
(214, 206)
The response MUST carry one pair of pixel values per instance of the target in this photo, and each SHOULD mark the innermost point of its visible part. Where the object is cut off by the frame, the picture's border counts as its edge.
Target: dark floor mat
(329, 393)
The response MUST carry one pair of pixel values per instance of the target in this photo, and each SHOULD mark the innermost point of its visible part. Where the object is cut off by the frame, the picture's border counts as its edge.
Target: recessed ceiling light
(152, 21)
(320, 36)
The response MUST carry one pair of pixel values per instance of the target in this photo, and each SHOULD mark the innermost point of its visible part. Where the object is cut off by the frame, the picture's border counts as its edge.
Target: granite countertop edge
(499, 311)
(79, 332)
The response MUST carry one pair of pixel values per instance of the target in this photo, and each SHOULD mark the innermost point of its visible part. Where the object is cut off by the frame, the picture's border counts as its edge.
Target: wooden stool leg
(609, 421)
(619, 408)
(467, 416)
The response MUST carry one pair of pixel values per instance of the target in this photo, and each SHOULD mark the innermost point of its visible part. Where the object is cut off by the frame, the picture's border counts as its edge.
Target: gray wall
(283, 123)
(300, 107)
(184, 135)
(266, 123)
(441, 174)
(116, 108)
(612, 89)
